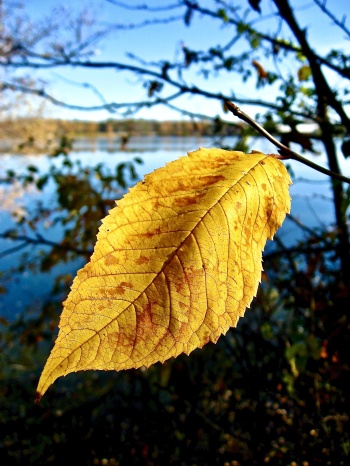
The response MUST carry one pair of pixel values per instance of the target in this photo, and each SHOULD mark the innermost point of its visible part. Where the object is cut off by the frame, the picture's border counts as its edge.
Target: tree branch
(9, 251)
(285, 152)
(39, 240)
(182, 87)
(325, 93)
(302, 250)
(109, 106)
(144, 6)
(341, 24)
(272, 40)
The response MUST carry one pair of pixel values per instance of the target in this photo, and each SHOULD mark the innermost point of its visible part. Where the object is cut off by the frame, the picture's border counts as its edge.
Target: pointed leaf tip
(175, 264)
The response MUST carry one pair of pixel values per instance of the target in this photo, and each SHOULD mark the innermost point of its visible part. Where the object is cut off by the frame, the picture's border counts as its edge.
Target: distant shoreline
(38, 135)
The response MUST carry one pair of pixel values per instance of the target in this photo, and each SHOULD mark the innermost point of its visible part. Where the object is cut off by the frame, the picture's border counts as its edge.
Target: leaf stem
(284, 151)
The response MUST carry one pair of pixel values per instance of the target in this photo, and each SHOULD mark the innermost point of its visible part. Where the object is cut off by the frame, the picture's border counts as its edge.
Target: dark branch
(284, 45)
(149, 22)
(285, 152)
(311, 232)
(9, 251)
(323, 90)
(144, 7)
(302, 250)
(112, 107)
(40, 240)
(336, 21)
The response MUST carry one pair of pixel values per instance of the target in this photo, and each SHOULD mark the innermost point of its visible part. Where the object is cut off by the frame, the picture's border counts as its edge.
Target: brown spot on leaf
(205, 339)
(145, 317)
(194, 183)
(211, 179)
(142, 260)
(111, 260)
(188, 200)
(112, 339)
(120, 289)
(178, 286)
(182, 330)
(118, 339)
(151, 233)
(190, 274)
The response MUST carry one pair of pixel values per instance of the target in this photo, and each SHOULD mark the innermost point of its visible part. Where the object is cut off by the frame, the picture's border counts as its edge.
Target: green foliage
(222, 14)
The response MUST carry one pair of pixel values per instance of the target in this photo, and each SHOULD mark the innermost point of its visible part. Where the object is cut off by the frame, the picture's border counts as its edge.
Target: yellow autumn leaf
(175, 264)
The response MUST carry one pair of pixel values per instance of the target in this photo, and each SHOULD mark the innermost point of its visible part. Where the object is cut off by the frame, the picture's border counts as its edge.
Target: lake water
(311, 203)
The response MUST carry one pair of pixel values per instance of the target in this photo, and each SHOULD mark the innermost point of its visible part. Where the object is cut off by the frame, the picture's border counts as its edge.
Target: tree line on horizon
(37, 134)
(11, 128)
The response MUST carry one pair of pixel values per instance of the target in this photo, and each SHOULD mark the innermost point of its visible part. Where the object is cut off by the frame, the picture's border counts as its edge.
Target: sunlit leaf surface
(175, 264)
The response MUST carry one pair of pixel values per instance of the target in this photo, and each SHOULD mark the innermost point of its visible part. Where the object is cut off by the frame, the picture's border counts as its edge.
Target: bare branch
(285, 251)
(302, 250)
(143, 71)
(145, 7)
(110, 106)
(311, 232)
(344, 72)
(86, 85)
(325, 93)
(40, 240)
(190, 114)
(341, 24)
(9, 251)
(147, 22)
(285, 152)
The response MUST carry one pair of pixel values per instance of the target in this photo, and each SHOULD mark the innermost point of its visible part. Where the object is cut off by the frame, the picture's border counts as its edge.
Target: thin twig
(284, 45)
(9, 251)
(143, 6)
(302, 250)
(285, 152)
(339, 23)
(285, 251)
(310, 231)
(40, 240)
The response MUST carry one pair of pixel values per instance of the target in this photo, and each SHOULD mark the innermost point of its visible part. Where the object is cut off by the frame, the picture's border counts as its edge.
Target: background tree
(275, 389)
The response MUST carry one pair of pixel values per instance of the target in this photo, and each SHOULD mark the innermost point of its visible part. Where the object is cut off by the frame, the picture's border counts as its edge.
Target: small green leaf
(304, 73)
(222, 14)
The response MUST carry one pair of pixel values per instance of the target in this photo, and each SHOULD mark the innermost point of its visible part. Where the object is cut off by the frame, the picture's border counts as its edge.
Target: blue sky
(163, 42)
